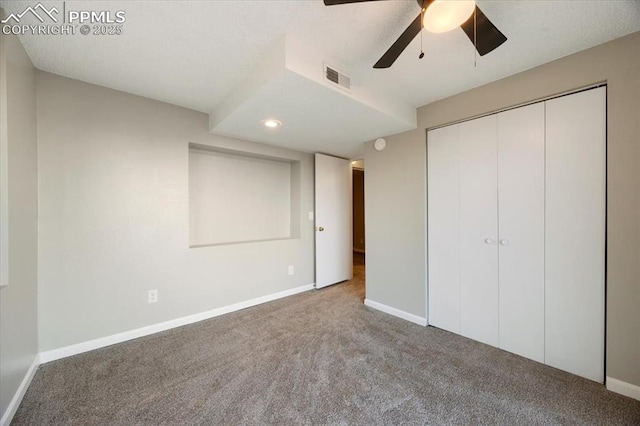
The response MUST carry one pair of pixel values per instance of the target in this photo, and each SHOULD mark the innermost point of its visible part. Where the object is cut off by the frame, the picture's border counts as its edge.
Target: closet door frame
(606, 171)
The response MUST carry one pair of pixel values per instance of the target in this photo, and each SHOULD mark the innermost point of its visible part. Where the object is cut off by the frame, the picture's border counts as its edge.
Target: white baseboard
(22, 389)
(396, 312)
(623, 388)
(90, 345)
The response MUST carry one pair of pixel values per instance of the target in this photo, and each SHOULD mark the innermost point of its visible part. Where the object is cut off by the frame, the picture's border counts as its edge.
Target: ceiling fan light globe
(444, 15)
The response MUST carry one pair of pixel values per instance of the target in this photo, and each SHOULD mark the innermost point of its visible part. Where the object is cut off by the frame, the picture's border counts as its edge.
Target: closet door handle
(488, 241)
(504, 242)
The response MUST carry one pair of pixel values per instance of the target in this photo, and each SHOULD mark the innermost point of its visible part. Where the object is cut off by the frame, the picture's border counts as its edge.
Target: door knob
(488, 241)
(504, 242)
(320, 228)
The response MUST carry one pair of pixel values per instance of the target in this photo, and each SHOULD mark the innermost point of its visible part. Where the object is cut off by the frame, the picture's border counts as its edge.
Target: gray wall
(235, 198)
(18, 317)
(395, 200)
(114, 217)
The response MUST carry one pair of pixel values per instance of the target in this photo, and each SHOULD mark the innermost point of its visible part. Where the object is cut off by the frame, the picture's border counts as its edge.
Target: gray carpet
(319, 357)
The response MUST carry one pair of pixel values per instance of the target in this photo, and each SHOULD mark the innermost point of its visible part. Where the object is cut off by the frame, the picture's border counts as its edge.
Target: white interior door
(334, 256)
(479, 230)
(521, 230)
(443, 228)
(575, 233)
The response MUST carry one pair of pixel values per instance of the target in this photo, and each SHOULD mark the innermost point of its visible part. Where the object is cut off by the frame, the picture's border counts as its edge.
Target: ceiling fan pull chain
(475, 39)
(421, 34)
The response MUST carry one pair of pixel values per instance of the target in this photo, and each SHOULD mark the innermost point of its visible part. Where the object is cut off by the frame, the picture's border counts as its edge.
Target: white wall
(18, 317)
(396, 208)
(114, 217)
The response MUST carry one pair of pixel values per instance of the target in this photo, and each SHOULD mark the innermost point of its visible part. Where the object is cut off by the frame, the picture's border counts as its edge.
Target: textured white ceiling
(538, 32)
(195, 53)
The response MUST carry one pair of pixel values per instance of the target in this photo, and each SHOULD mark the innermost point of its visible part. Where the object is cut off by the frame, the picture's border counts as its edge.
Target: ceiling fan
(441, 16)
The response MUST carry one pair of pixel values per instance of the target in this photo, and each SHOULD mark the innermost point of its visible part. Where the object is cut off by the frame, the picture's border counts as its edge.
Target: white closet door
(478, 230)
(443, 228)
(521, 230)
(575, 233)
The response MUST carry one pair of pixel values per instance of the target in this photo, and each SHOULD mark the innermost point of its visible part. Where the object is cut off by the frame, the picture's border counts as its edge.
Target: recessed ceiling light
(271, 123)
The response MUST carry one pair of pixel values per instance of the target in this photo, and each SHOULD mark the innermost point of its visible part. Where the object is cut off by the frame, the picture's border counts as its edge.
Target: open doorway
(338, 206)
(359, 255)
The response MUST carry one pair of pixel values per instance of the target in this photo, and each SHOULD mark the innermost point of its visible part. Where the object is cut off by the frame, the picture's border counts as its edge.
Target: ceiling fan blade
(401, 43)
(335, 2)
(488, 37)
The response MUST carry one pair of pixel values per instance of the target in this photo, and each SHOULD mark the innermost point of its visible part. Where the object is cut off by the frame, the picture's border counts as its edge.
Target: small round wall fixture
(380, 144)
(271, 123)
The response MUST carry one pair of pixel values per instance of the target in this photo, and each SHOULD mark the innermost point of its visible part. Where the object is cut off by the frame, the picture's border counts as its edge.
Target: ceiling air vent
(336, 77)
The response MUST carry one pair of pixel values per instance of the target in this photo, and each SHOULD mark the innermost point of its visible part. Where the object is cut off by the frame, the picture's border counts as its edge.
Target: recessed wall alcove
(240, 197)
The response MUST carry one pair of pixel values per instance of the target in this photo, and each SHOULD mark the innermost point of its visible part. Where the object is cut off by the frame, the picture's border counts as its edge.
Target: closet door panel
(443, 228)
(575, 233)
(478, 230)
(521, 230)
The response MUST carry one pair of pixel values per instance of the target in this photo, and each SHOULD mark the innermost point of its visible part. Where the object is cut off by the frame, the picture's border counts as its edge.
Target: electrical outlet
(152, 296)
(291, 270)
